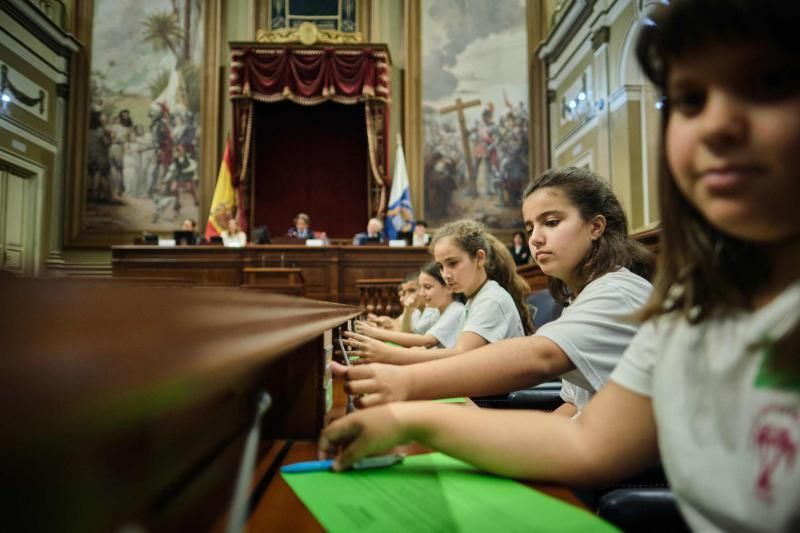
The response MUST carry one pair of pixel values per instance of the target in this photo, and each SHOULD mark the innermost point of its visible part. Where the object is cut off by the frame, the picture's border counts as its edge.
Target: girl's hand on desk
(384, 322)
(381, 383)
(367, 349)
(367, 329)
(363, 433)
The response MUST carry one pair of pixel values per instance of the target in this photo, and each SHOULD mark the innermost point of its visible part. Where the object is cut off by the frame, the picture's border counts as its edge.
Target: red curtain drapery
(308, 76)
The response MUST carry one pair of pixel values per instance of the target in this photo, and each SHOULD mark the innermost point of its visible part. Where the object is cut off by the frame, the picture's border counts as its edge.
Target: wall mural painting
(144, 114)
(475, 110)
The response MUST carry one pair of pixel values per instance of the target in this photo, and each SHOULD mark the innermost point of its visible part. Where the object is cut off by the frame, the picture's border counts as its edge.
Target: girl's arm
(566, 409)
(503, 366)
(614, 437)
(405, 319)
(397, 337)
(373, 351)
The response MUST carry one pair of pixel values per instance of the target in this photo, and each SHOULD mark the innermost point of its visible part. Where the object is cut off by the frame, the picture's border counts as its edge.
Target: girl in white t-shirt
(712, 381)
(442, 332)
(475, 263)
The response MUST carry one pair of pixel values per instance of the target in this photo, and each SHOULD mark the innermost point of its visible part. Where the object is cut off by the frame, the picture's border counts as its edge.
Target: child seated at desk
(441, 331)
(414, 315)
(475, 263)
(579, 234)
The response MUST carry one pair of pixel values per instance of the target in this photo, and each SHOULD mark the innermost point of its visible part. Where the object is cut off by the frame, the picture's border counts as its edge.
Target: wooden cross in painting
(459, 107)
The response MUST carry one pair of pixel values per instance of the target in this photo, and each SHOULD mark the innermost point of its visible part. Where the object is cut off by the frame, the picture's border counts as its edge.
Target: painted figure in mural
(183, 173)
(441, 180)
(187, 134)
(485, 155)
(164, 198)
(121, 127)
(162, 140)
(513, 159)
(99, 140)
(147, 154)
(131, 162)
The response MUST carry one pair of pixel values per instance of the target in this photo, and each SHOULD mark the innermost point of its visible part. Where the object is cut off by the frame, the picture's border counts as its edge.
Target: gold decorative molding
(412, 103)
(308, 33)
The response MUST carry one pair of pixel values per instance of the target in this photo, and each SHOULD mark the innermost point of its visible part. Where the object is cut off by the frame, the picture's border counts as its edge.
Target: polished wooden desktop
(330, 273)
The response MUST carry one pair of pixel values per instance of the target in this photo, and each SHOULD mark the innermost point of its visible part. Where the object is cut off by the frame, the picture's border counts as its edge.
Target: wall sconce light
(580, 104)
(579, 107)
(5, 99)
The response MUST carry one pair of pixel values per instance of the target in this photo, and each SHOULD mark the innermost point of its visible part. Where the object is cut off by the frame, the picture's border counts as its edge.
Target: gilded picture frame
(86, 226)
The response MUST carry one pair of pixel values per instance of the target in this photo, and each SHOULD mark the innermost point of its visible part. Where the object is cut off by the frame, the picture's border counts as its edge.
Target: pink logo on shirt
(777, 445)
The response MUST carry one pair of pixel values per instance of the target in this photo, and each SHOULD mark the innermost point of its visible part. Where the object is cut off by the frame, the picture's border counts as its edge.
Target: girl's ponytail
(501, 268)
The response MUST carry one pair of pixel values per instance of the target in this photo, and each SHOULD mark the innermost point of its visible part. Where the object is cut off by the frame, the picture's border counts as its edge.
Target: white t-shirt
(491, 313)
(237, 239)
(728, 433)
(446, 327)
(595, 329)
(421, 321)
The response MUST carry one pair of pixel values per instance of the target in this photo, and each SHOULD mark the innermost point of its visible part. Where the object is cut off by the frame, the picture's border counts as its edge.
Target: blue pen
(378, 461)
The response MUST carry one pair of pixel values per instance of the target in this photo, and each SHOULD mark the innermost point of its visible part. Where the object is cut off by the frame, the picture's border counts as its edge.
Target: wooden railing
(379, 296)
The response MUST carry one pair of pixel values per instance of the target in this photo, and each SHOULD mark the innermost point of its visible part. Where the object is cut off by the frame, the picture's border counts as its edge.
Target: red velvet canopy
(308, 75)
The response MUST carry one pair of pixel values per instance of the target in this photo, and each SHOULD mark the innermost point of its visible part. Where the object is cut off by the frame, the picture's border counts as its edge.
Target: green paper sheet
(434, 492)
(450, 400)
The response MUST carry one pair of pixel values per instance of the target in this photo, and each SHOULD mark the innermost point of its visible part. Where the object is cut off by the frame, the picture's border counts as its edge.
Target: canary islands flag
(400, 214)
(224, 203)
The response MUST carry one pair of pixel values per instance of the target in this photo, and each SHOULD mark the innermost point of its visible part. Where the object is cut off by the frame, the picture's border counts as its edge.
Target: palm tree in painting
(163, 31)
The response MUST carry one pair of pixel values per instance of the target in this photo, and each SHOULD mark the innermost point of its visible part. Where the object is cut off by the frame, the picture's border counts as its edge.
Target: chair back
(543, 307)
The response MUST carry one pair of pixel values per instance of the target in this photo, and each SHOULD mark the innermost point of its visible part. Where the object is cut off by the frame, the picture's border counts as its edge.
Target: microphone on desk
(238, 509)
(350, 407)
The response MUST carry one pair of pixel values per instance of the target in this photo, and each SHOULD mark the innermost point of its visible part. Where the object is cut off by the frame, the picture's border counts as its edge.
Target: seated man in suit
(373, 234)
(302, 227)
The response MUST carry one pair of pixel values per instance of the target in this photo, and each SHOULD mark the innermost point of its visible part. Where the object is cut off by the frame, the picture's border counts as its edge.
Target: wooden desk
(330, 272)
(126, 404)
(279, 280)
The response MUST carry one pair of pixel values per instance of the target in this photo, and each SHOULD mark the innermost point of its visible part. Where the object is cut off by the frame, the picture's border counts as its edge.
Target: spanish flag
(224, 203)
